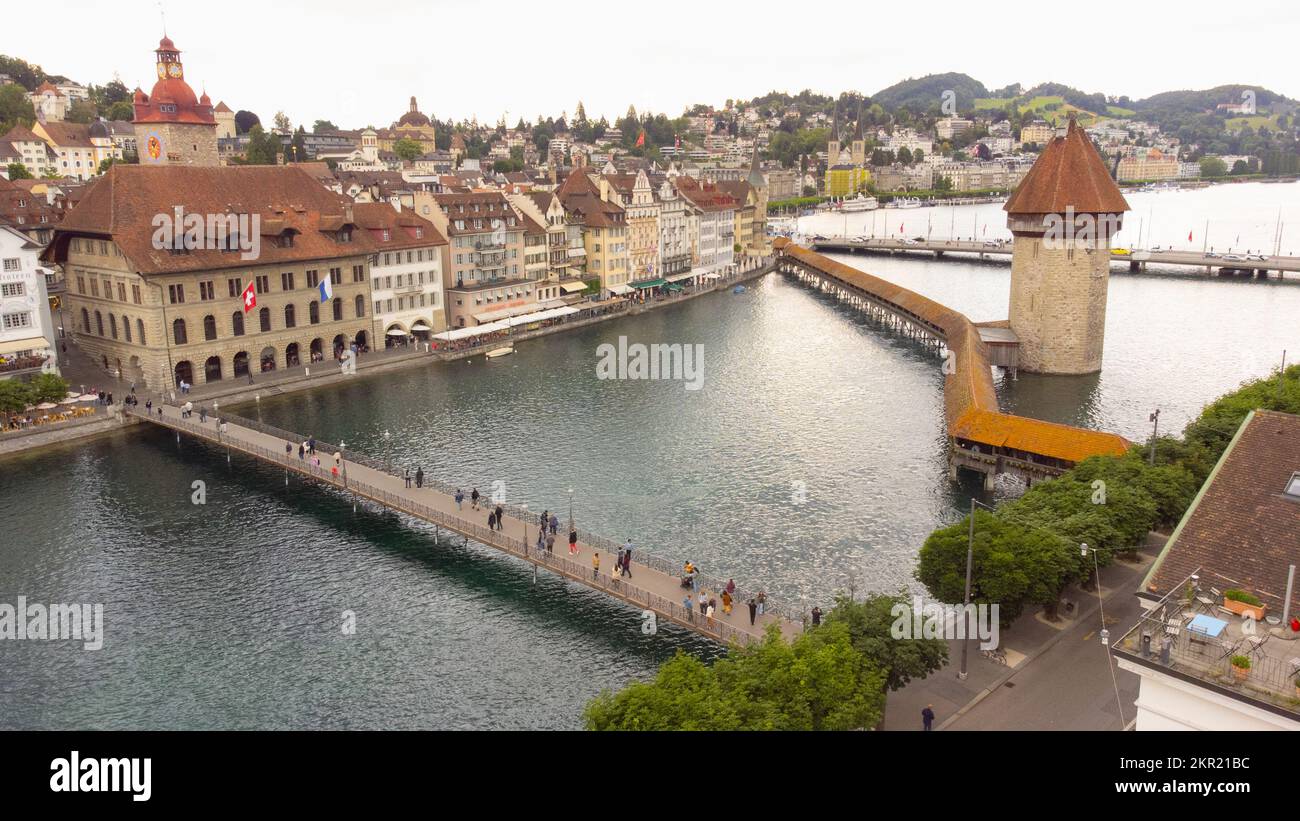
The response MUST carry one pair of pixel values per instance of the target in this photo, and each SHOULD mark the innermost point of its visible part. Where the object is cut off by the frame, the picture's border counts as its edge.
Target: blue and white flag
(326, 289)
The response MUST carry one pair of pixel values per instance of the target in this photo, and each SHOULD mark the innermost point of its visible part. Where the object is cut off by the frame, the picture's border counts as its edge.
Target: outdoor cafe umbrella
(71, 400)
(88, 397)
(72, 394)
(46, 406)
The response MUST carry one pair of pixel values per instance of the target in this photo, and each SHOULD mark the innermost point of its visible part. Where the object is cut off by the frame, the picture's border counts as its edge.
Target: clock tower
(172, 126)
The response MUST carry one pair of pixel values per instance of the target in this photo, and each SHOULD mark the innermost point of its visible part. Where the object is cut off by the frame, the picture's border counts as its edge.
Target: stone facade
(119, 317)
(182, 143)
(1058, 303)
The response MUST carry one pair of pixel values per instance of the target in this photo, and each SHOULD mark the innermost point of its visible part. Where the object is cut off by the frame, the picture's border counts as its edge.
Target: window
(358, 273)
(112, 325)
(1293, 485)
(338, 309)
(286, 281)
(178, 332)
(207, 291)
(361, 306)
(289, 318)
(313, 277)
(13, 264)
(209, 327)
(94, 287)
(13, 289)
(121, 292)
(126, 328)
(19, 320)
(263, 284)
(234, 287)
(85, 321)
(135, 294)
(176, 294)
(237, 323)
(264, 317)
(139, 326)
(313, 312)
(99, 323)
(81, 284)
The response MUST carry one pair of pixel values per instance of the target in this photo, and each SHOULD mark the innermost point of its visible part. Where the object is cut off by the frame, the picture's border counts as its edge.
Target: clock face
(162, 71)
(153, 147)
(174, 69)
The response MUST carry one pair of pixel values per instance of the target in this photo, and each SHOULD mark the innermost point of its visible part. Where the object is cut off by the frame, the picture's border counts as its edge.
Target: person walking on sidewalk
(406, 476)
(927, 718)
(419, 477)
(460, 498)
(761, 601)
(595, 566)
(753, 611)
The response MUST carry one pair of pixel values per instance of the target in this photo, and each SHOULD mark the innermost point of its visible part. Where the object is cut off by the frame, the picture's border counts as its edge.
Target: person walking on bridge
(419, 477)
(627, 560)
(288, 449)
(573, 541)
(595, 566)
(541, 540)
(492, 521)
(473, 500)
(753, 611)
(550, 543)
(501, 515)
(301, 450)
(555, 524)
(406, 476)
(460, 498)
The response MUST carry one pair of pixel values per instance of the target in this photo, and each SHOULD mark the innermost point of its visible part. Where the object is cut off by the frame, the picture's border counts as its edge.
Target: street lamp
(343, 453)
(570, 508)
(524, 507)
(1154, 419)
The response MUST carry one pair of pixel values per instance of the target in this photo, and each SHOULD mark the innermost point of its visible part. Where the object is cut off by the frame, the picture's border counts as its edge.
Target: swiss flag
(250, 298)
(640, 139)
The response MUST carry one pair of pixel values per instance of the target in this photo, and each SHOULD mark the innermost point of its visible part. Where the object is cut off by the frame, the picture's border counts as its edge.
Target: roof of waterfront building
(124, 202)
(1243, 529)
(1068, 174)
(707, 196)
(580, 196)
(970, 402)
(405, 229)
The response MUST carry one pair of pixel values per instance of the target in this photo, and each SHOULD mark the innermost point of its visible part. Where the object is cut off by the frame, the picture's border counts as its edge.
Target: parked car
(1211, 255)
(1233, 258)
(1121, 251)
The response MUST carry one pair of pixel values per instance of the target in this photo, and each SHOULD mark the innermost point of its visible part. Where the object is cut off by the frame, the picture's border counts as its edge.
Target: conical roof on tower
(857, 126)
(1068, 174)
(755, 175)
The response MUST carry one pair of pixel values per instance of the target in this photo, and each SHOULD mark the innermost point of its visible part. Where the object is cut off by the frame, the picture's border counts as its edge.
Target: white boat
(499, 352)
(907, 202)
(858, 203)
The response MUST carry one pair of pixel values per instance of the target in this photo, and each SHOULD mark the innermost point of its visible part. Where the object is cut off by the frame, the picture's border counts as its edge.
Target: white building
(674, 231)
(406, 274)
(27, 333)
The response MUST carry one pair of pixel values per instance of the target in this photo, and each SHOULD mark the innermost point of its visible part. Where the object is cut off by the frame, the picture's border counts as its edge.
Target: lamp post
(343, 453)
(524, 506)
(970, 554)
(1154, 419)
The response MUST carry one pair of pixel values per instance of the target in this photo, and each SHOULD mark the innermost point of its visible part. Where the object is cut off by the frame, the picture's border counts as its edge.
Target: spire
(857, 127)
(755, 175)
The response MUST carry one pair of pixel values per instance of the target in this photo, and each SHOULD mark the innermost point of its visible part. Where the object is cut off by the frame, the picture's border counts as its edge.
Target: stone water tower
(1062, 218)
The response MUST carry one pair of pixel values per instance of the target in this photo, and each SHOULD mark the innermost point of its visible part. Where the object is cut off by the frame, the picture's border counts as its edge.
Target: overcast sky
(358, 64)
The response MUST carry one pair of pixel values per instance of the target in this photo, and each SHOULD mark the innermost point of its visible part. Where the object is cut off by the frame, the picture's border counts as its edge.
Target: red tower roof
(1068, 174)
(172, 100)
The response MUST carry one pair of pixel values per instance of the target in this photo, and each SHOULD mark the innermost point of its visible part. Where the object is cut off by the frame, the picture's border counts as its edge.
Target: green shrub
(1243, 597)
(1241, 662)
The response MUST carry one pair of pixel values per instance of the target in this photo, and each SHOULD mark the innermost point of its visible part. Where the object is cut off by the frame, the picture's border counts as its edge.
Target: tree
(905, 155)
(870, 624)
(323, 125)
(48, 387)
(298, 146)
(244, 121)
(15, 396)
(816, 682)
(281, 121)
(15, 108)
(121, 111)
(106, 164)
(263, 148)
(1012, 565)
(18, 171)
(407, 149)
(1213, 167)
(82, 111)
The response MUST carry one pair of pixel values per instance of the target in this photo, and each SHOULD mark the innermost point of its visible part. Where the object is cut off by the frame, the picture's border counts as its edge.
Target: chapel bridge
(655, 581)
(981, 438)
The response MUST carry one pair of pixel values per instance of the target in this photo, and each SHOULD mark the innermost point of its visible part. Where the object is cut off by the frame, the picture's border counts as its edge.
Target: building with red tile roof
(173, 126)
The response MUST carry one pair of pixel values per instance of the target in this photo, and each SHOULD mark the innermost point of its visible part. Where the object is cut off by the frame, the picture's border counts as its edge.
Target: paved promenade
(654, 583)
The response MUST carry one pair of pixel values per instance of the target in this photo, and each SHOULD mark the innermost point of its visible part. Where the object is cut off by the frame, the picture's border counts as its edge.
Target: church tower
(172, 126)
(833, 146)
(858, 149)
(759, 183)
(1062, 217)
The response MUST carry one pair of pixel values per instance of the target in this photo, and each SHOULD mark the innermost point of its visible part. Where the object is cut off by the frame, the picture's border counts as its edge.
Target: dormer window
(343, 235)
(285, 240)
(1293, 486)
(386, 235)
(419, 233)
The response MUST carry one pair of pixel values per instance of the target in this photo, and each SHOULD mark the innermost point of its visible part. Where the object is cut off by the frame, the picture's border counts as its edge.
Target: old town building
(146, 303)
(483, 265)
(604, 229)
(405, 273)
(172, 126)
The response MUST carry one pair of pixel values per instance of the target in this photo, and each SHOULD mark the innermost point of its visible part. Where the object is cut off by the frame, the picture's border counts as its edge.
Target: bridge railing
(612, 584)
(529, 514)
